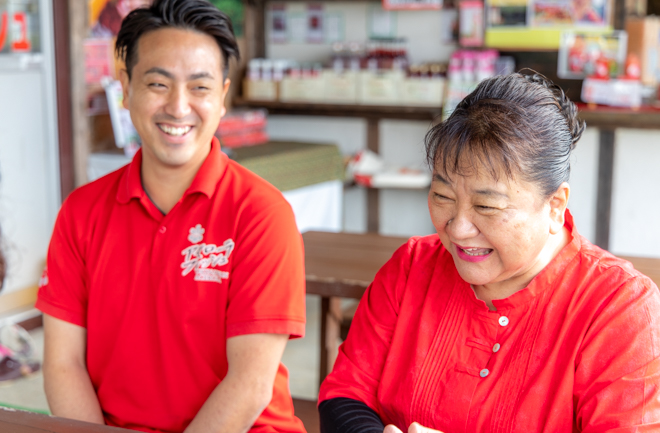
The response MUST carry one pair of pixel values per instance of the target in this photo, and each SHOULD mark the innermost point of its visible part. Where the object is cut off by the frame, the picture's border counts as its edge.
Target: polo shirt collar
(205, 181)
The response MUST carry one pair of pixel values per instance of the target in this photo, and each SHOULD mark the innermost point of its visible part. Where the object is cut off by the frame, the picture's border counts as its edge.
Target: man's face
(176, 96)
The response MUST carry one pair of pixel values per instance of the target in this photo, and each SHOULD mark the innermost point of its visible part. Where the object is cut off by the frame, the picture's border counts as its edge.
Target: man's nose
(178, 103)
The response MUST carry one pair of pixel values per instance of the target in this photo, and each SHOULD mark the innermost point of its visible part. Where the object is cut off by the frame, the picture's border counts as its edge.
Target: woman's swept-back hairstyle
(517, 125)
(197, 15)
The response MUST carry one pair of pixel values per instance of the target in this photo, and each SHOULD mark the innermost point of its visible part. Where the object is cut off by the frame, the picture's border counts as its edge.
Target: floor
(301, 357)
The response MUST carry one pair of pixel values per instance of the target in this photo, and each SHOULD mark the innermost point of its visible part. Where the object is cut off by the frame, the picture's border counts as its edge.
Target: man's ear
(225, 90)
(558, 203)
(125, 83)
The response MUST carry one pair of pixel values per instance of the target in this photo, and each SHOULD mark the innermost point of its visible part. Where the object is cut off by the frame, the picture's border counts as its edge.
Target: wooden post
(604, 194)
(330, 330)
(78, 29)
(63, 92)
(373, 195)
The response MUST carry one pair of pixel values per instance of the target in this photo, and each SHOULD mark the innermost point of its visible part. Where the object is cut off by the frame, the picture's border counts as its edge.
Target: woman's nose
(461, 227)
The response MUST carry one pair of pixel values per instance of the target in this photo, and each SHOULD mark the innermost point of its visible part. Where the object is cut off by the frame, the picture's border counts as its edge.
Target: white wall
(583, 181)
(636, 198)
(29, 168)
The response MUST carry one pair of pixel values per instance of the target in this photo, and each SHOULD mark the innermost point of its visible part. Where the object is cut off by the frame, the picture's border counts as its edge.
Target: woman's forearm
(346, 415)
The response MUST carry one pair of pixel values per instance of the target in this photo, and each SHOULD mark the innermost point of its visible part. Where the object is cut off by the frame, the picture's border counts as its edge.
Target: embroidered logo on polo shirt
(202, 257)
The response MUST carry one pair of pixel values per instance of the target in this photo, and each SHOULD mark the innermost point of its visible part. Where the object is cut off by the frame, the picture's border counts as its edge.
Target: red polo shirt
(577, 350)
(160, 294)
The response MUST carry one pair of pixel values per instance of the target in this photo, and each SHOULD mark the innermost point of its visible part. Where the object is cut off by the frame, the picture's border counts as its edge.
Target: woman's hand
(413, 428)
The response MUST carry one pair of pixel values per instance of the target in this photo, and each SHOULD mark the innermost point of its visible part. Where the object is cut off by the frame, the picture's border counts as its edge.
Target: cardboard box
(301, 89)
(380, 88)
(423, 92)
(340, 88)
(644, 41)
(260, 90)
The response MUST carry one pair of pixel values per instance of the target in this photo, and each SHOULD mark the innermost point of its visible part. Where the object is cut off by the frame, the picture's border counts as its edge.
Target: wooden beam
(19, 300)
(63, 91)
(373, 195)
(78, 30)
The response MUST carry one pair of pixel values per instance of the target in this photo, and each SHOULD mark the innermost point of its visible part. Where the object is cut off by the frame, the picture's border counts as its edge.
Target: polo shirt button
(496, 348)
(484, 372)
(503, 320)
(162, 230)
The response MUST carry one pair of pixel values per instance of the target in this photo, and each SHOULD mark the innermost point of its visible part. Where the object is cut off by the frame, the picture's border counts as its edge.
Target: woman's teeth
(476, 251)
(175, 131)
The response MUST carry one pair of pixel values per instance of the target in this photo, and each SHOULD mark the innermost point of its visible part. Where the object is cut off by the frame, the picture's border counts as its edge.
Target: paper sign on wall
(315, 34)
(19, 27)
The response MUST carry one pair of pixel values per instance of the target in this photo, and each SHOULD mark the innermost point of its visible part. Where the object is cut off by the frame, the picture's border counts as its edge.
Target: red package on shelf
(243, 128)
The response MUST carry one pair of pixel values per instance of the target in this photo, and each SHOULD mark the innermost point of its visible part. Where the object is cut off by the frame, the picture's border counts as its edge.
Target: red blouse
(577, 350)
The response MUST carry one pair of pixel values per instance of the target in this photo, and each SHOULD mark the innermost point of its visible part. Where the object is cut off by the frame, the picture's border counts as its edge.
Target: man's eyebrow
(160, 71)
(166, 74)
(199, 75)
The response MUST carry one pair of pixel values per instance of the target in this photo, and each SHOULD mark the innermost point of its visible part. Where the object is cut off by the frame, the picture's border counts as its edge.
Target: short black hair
(197, 15)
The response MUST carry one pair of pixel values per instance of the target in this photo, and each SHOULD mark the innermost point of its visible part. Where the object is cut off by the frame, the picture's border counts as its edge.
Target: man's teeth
(175, 131)
(476, 251)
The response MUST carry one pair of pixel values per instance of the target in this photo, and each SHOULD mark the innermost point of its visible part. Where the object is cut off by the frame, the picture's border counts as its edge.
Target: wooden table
(341, 265)
(16, 421)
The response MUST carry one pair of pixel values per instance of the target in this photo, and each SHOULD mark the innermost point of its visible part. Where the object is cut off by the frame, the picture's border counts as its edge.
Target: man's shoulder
(249, 188)
(96, 193)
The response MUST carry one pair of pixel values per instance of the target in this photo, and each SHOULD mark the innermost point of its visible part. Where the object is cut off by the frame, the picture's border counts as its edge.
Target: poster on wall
(538, 24)
(506, 13)
(581, 54)
(569, 13)
(105, 16)
(412, 4)
(19, 27)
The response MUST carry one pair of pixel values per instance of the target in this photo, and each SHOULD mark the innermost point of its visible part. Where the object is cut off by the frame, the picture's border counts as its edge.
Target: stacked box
(644, 42)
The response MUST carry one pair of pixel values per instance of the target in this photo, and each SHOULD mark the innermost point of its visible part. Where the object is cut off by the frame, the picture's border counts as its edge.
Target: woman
(507, 319)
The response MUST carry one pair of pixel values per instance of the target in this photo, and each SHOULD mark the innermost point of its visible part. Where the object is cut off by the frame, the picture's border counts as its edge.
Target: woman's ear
(558, 202)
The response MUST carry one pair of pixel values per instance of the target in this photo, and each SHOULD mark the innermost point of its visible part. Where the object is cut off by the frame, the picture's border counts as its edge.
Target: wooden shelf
(613, 117)
(343, 110)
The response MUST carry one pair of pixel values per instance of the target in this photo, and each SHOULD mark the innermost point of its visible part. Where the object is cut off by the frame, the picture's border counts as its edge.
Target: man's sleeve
(617, 377)
(359, 365)
(62, 289)
(267, 281)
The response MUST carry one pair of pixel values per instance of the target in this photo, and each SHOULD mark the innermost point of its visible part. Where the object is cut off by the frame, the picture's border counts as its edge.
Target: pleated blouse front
(577, 350)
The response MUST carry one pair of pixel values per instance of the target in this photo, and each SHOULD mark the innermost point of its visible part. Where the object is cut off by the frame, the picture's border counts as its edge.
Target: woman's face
(498, 231)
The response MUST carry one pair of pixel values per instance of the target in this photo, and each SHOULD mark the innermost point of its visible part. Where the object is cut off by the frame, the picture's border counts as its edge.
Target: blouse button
(162, 230)
(503, 320)
(496, 348)
(484, 372)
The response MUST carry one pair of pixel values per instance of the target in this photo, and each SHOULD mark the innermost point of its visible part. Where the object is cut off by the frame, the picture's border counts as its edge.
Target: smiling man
(173, 284)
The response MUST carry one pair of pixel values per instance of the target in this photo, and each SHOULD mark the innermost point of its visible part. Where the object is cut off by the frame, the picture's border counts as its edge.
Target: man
(173, 284)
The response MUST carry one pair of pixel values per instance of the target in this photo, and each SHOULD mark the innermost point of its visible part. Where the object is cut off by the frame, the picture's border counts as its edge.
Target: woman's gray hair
(518, 125)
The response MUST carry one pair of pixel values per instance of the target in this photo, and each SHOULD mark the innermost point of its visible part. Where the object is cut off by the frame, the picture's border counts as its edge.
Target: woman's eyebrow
(439, 178)
(491, 193)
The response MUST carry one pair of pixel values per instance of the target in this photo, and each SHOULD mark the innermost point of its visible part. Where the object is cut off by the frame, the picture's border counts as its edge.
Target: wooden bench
(338, 265)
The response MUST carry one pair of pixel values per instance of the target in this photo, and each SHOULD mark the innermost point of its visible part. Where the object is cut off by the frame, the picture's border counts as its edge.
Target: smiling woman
(507, 319)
